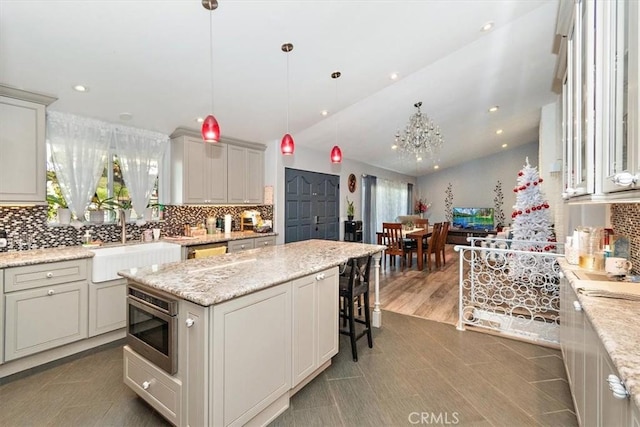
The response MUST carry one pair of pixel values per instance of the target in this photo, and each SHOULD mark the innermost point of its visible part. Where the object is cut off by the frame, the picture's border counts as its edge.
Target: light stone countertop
(213, 280)
(616, 323)
(39, 256)
(216, 237)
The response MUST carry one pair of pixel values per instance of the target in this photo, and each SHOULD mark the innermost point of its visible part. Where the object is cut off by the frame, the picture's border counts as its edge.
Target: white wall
(318, 161)
(473, 183)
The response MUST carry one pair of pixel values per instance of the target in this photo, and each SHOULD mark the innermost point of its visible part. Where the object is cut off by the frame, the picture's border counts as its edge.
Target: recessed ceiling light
(487, 27)
(199, 119)
(126, 116)
(394, 147)
(499, 132)
(324, 112)
(418, 158)
(436, 167)
(394, 76)
(493, 109)
(81, 88)
(505, 145)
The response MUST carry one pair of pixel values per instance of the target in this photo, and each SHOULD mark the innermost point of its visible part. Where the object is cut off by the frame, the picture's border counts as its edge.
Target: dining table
(416, 234)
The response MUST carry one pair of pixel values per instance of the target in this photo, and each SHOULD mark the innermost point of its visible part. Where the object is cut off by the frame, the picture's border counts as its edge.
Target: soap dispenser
(86, 239)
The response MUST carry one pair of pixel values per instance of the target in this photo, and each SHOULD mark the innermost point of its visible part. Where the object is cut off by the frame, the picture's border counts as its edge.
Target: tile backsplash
(625, 220)
(19, 221)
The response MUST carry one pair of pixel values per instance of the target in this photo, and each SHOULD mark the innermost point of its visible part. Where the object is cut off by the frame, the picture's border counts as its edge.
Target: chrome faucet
(123, 227)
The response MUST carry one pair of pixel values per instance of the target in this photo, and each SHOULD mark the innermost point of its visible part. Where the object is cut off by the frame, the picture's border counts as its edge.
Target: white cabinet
(155, 386)
(22, 146)
(230, 171)
(263, 242)
(45, 306)
(240, 245)
(107, 306)
(251, 354)
(198, 171)
(1, 319)
(589, 368)
(315, 322)
(601, 101)
(245, 174)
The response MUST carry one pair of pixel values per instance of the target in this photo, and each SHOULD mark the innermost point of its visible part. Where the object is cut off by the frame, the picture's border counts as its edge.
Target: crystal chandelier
(420, 138)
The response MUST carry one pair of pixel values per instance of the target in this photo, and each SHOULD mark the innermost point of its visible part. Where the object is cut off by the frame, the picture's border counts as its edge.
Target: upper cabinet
(245, 174)
(230, 171)
(600, 99)
(22, 146)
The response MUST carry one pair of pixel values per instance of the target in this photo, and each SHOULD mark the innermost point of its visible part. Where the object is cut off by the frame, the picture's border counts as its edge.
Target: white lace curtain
(391, 201)
(140, 152)
(79, 148)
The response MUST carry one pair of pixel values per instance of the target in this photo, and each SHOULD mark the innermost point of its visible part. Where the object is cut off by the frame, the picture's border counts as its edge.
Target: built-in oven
(152, 327)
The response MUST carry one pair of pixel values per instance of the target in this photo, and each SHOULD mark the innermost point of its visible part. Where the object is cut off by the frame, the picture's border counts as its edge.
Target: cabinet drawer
(240, 245)
(35, 276)
(160, 390)
(44, 318)
(262, 242)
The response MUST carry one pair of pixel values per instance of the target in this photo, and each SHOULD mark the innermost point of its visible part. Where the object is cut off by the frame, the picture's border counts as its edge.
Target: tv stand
(458, 236)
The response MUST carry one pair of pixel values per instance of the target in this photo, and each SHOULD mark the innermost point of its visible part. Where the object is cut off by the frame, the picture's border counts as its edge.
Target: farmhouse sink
(108, 261)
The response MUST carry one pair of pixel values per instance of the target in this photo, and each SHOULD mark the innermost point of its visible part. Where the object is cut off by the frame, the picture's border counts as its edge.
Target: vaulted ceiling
(151, 59)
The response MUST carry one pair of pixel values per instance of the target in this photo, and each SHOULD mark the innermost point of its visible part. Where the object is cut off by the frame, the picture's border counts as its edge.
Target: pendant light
(287, 145)
(210, 126)
(336, 153)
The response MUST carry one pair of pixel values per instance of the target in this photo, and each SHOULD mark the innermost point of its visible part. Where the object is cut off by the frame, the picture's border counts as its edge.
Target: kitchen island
(252, 329)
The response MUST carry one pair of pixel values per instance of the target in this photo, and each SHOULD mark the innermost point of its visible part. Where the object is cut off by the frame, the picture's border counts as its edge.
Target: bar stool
(354, 283)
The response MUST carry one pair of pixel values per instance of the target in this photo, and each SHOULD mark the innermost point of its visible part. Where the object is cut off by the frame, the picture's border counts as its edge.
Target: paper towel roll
(227, 223)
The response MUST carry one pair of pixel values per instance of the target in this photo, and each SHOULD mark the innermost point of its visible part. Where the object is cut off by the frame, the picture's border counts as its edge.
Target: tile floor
(419, 372)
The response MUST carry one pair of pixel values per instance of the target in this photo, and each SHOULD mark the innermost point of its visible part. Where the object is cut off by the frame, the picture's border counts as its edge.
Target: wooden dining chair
(424, 224)
(392, 239)
(442, 243)
(432, 246)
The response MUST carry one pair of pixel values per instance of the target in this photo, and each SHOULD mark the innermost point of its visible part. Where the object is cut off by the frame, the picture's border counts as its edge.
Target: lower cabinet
(589, 368)
(43, 318)
(107, 306)
(315, 322)
(159, 389)
(240, 245)
(251, 354)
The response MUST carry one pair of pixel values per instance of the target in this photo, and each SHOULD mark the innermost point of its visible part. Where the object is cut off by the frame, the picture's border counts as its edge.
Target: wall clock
(352, 183)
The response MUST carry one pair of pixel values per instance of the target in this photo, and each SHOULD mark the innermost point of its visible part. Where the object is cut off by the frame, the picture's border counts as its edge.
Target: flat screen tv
(473, 218)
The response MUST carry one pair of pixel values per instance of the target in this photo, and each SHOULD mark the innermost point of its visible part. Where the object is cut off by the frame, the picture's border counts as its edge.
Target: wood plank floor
(431, 294)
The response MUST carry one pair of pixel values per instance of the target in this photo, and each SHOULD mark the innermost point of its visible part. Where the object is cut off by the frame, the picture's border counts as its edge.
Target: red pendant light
(210, 129)
(287, 146)
(336, 154)
(210, 126)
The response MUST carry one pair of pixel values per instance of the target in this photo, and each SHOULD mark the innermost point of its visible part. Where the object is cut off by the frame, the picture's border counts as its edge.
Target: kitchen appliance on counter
(249, 220)
(152, 327)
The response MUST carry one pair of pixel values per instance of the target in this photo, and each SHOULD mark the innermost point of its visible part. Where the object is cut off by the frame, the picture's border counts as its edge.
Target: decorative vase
(64, 216)
(96, 216)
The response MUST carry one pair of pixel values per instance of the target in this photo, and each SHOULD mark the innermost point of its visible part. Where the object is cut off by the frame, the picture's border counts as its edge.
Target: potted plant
(63, 212)
(99, 206)
(350, 210)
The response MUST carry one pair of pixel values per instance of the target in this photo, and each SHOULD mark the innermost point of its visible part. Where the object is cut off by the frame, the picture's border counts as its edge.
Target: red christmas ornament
(528, 184)
(515, 190)
(519, 212)
(540, 180)
(546, 206)
(535, 183)
(520, 173)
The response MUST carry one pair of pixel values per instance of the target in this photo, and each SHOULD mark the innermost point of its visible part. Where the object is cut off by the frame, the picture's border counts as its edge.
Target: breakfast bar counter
(221, 278)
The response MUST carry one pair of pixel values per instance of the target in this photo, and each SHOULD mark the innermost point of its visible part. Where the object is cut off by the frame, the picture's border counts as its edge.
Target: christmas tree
(531, 216)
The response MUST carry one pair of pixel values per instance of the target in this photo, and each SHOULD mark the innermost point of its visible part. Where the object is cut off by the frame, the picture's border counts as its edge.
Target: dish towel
(204, 253)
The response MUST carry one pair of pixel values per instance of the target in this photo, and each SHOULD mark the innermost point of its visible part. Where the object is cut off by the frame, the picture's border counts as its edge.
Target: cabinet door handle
(617, 387)
(49, 275)
(189, 322)
(51, 292)
(320, 276)
(146, 385)
(624, 179)
(577, 306)
(266, 243)
(561, 275)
